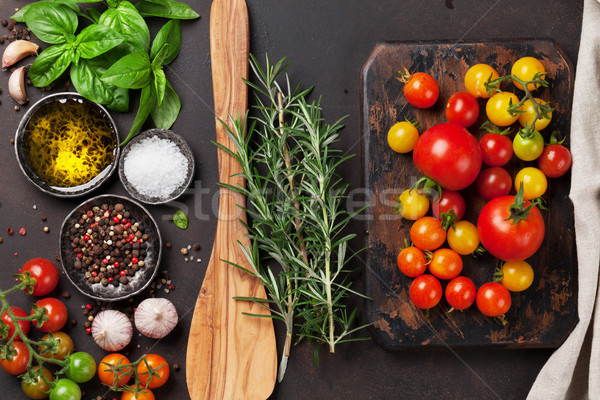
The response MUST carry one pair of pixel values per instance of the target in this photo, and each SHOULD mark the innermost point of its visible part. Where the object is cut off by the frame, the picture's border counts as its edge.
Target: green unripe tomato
(81, 367)
(65, 389)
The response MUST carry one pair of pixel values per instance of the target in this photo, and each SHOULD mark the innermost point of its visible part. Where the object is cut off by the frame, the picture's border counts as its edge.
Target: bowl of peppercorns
(110, 247)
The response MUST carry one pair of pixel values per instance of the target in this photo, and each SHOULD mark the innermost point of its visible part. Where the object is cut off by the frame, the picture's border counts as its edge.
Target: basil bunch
(110, 56)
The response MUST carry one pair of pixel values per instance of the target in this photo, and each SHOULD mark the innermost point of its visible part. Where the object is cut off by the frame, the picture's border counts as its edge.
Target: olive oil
(68, 142)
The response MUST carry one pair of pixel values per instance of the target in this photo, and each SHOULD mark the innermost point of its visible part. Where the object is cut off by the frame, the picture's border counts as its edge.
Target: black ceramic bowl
(65, 192)
(142, 278)
(184, 148)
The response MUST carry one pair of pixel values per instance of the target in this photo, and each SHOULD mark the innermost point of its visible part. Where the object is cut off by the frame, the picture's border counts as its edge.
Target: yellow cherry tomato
(476, 77)
(496, 108)
(463, 238)
(402, 137)
(412, 204)
(528, 116)
(517, 275)
(525, 69)
(534, 182)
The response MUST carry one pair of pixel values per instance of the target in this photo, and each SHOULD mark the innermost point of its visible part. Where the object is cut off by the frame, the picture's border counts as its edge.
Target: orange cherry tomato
(108, 376)
(445, 264)
(161, 367)
(427, 234)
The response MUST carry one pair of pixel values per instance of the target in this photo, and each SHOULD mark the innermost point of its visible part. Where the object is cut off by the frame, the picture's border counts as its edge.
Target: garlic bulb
(155, 317)
(112, 330)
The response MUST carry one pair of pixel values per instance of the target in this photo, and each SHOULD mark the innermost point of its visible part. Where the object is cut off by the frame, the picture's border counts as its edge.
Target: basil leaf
(180, 220)
(94, 14)
(170, 33)
(19, 16)
(126, 20)
(147, 100)
(50, 64)
(172, 9)
(160, 82)
(51, 22)
(158, 60)
(85, 76)
(130, 72)
(97, 39)
(165, 114)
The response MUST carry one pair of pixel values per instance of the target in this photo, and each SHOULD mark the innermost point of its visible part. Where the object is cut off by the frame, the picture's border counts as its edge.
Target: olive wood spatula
(230, 355)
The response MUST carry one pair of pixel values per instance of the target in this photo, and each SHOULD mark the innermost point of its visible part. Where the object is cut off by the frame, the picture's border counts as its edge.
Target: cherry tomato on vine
(463, 238)
(412, 204)
(555, 160)
(161, 367)
(460, 293)
(497, 106)
(45, 274)
(529, 117)
(493, 299)
(493, 182)
(427, 234)
(528, 149)
(525, 69)
(425, 291)
(24, 325)
(145, 394)
(17, 365)
(449, 200)
(496, 150)
(534, 182)
(402, 137)
(412, 261)
(477, 76)
(65, 346)
(420, 89)
(81, 367)
(65, 389)
(57, 314)
(445, 264)
(462, 108)
(517, 275)
(108, 375)
(38, 388)
(503, 237)
(448, 154)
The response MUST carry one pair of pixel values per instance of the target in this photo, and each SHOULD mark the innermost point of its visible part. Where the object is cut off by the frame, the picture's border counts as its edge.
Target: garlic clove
(18, 50)
(16, 86)
(112, 330)
(155, 317)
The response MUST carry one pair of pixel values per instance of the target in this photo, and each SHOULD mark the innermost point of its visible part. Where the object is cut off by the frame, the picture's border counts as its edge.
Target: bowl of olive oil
(66, 145)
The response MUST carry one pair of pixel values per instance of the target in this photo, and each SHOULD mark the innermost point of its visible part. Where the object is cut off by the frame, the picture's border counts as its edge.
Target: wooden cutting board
(541, 316)
(230, 355)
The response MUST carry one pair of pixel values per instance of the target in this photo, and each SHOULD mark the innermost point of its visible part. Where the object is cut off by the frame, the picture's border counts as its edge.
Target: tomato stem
(518, 211)
(448, 219)
(430, 188)
(489, 127)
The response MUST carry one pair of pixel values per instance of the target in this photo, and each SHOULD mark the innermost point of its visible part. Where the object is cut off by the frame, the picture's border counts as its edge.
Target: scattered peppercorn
(4, 22)
(66, 294)
(73, 322)
(168, 245)
(88, 330)
(184, 250)
(22, 231)
(176, 367)
(196, 246)
(44, 218)
(10, 231)
(17, 108)
(12, 141)
(46, 229)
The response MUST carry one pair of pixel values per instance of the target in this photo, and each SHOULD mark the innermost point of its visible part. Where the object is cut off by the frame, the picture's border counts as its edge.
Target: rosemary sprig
(296, 206)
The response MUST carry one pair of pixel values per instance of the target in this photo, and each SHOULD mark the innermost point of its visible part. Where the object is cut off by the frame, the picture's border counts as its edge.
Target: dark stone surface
(327, 43)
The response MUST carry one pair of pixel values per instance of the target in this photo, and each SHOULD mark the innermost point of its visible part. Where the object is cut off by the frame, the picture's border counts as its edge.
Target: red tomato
(427, 234)
(449, 200)
(24, 325)
(505, 239)
(412, 261)
(17, 365)
(161, 370)
(460, 293)
(445, 264)
(462, 108)
(493, 299)
(448, 154)
(425, 291)
(420, 89)
(57, 314)
(493, 182)
(555, 160)
(45, 274)
(496, 150)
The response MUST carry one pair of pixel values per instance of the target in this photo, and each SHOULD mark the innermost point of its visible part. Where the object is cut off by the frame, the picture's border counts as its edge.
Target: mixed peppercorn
(109, 245)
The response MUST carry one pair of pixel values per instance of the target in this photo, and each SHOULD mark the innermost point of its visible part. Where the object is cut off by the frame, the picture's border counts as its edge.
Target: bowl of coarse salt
(156, 166)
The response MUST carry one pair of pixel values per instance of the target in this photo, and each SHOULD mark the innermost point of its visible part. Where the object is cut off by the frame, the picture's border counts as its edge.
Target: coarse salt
(155, 167)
